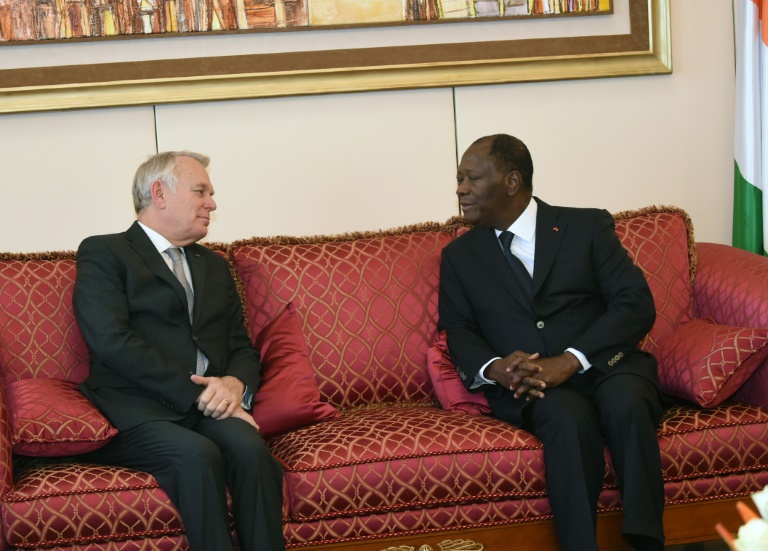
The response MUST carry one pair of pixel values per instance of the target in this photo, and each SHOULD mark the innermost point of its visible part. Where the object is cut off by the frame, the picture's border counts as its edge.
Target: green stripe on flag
(747, 214)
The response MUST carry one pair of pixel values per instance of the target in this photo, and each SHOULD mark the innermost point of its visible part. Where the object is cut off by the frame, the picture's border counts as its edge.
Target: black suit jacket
(133, 314)
(588, 295)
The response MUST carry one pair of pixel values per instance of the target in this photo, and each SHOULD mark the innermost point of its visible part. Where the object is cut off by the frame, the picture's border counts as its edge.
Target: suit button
(540, 324)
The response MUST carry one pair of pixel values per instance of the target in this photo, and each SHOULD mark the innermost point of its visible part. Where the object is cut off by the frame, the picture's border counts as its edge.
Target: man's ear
(514, 182)
(157, 191)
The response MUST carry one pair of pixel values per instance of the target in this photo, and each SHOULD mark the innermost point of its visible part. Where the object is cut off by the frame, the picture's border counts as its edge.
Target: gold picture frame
(645, 50)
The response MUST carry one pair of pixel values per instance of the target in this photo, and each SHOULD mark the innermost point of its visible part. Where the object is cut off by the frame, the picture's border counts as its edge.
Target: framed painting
(484, 46)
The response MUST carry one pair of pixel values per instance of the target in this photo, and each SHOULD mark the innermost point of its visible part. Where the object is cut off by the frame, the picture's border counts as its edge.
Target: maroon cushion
(706, 363)
(288, 397)
(50, 417)
(450, 391)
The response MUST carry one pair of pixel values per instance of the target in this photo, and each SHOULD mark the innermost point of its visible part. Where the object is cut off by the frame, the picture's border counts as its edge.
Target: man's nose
(211, 204)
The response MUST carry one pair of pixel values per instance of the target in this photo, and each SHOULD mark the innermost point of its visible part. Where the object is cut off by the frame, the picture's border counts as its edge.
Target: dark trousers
(194, 461)
(621, 411)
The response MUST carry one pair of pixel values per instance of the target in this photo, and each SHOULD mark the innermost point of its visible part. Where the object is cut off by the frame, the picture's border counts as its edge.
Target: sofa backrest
(368, 302)
(660, 241)
(39, 336)
(368, 305)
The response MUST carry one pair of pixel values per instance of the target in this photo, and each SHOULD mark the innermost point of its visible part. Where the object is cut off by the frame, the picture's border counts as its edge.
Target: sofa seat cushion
(65, 502)
(383, 459)
(395, 470)
(386, 459)
(703, 443)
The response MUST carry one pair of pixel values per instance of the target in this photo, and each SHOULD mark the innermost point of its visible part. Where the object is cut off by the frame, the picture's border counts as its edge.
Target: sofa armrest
(6, 457)
(731, 286)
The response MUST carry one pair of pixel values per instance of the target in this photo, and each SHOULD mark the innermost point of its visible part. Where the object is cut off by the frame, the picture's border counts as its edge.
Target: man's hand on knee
(555, 370)
(221, 396)
(518, 373)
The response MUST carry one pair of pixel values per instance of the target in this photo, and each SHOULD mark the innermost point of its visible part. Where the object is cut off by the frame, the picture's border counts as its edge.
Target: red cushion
(657, 239)
(288, 397)
(706, 363)
(50, 417)
(450, 391)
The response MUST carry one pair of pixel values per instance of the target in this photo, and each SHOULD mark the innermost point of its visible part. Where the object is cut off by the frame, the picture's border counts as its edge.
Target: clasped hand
(530, 375)
(221, 398)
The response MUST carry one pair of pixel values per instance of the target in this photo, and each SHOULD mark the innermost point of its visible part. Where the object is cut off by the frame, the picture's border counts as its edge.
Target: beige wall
(328, 164)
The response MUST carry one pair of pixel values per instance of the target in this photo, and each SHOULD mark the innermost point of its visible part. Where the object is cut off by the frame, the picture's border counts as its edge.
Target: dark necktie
(522, 275)
(178, 271)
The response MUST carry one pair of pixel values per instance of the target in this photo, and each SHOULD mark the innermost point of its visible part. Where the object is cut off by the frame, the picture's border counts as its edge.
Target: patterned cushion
(38, 333)
(450, 390)
(288, 397)
(706, 363)
(50, 417)
(731, 286)
(660, 241)
(368, 305)
(65, 502)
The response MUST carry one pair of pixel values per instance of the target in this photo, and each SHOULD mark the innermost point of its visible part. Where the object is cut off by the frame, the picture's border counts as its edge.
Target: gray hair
(159, 167)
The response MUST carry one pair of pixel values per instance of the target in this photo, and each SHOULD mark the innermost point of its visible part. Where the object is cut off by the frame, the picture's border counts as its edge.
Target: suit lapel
(549, 234)
(487, 248)
(144, 247)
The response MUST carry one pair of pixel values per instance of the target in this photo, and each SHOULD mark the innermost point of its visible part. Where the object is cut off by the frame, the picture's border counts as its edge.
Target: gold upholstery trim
(47, 255)
(341, 237)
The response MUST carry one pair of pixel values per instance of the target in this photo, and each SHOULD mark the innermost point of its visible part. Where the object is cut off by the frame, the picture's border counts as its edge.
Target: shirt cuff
(582, 359)
(247, 402)
(480, 378)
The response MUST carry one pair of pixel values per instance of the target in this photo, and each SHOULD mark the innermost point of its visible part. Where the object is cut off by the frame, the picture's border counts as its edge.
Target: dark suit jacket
(133, 314)
(588, 295)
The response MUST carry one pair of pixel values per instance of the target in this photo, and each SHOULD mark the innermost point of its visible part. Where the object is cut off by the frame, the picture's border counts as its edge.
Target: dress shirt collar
(160, 242)
(525, 225)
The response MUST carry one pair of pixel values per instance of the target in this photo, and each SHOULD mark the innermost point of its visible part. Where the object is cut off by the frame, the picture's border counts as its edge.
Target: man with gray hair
(171, 364)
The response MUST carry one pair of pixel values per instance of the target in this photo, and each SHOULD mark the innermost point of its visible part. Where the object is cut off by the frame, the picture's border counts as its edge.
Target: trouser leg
(254, 478)
(630, 412)
(189, 468)
(568, 425)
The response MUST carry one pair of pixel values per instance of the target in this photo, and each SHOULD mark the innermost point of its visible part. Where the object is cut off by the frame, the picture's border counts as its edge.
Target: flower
(761, 500)
(753, 534)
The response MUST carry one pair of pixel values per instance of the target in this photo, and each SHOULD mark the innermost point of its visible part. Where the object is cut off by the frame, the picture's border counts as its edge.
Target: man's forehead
(475, 159)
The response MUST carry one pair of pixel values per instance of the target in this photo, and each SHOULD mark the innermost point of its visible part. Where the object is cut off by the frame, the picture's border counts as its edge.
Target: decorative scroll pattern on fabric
(658, 244)
(732, 287)
(83, 503)
(388, 459)
(703, 443)
(50, 417)
(368, 308)
(38, 333)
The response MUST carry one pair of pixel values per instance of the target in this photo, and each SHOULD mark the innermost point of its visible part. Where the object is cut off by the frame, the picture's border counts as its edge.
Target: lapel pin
(555, 229)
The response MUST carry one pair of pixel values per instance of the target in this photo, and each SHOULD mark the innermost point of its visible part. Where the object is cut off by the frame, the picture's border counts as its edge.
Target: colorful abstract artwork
(37, 20)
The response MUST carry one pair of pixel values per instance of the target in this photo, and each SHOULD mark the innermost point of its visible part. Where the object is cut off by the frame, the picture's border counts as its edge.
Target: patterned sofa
(380, 444)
